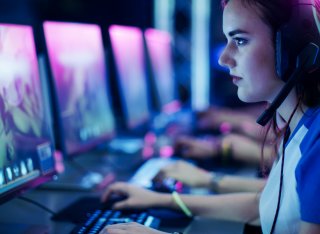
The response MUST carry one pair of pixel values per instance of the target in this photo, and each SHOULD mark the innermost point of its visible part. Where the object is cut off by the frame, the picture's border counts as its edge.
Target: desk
(19, 212)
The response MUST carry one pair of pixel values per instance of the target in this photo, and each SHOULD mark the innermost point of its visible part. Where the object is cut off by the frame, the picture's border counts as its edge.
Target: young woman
(250, 27)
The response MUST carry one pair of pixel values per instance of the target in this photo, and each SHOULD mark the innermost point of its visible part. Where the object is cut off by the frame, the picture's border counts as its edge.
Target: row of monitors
(81, 94)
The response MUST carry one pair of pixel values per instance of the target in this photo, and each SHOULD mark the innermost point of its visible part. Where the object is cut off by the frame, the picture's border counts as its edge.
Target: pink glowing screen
(77, 62)
(159, 49)
(26, 150)
(127, 45)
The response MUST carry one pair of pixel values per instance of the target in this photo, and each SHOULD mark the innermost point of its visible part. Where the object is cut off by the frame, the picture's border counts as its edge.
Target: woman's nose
(225, 59)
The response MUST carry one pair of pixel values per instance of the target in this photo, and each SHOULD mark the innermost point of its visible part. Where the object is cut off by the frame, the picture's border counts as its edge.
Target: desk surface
(17, 214)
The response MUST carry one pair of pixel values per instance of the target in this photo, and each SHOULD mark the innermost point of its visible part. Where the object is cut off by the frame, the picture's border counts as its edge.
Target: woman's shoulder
(312, 118)
(311, 128)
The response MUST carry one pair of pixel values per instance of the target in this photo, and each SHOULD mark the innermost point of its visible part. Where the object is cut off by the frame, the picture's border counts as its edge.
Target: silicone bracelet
(181, 204)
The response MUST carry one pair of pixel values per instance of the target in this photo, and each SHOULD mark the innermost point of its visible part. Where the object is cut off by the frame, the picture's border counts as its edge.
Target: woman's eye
(240, 41)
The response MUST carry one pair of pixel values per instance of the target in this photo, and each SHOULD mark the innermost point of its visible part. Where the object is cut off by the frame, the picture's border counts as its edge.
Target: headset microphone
(307, 61)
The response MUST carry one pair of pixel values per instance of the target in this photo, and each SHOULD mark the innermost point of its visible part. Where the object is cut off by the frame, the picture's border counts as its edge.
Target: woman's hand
(136, 197)
(129, 228)
(187, 174)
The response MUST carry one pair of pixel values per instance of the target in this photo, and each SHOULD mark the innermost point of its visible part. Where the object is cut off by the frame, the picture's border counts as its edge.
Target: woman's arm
(241, 207)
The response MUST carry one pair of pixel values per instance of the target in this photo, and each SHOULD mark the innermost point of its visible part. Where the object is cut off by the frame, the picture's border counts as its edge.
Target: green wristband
(181, 204)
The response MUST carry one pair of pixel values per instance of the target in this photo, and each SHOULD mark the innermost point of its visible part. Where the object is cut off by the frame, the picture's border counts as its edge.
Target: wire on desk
(78, 166)
(37, 204)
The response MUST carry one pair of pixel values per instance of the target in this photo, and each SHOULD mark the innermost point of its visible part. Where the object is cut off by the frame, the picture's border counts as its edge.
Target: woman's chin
(248, 99)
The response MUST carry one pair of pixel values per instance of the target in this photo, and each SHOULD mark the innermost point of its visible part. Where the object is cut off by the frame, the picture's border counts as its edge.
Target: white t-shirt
(301, 175)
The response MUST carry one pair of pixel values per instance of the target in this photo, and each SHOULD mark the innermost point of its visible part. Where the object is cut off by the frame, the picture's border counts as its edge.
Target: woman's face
(249, 53)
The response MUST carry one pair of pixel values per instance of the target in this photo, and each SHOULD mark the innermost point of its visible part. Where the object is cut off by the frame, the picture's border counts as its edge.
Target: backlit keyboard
(101, 218)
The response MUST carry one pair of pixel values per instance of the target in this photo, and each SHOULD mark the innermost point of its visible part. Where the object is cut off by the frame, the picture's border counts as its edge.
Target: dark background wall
(103, 12)
(137, 12)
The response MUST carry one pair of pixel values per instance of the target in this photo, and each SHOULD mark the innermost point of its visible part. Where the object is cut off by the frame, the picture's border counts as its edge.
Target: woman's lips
(236, 79)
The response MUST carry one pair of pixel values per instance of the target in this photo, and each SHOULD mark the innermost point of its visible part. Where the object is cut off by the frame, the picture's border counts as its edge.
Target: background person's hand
(197, 148)
(213, 117)
(129, 228)
(136, 197)
(187, 173)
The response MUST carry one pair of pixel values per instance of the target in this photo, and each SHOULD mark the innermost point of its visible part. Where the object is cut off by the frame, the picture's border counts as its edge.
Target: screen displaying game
(26, 148)
(159, 50)
(78, 68)
(127, 45)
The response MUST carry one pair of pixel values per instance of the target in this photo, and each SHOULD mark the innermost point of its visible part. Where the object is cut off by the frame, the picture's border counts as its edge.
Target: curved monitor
(26, 147)
(159, 49)
(128, 51)
(78, 70)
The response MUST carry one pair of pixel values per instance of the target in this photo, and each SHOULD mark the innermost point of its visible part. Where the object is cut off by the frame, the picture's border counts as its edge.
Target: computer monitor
(128, 53)
(78, 69)
(26, 148)
(160, 56)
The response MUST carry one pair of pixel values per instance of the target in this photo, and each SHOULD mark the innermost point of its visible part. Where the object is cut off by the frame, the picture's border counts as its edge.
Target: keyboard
(147, 172)
(101, 218)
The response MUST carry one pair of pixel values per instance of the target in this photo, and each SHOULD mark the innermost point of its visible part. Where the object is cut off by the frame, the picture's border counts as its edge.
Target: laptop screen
(127, 45)
(78, 69)
(26, 148)
(159, 49)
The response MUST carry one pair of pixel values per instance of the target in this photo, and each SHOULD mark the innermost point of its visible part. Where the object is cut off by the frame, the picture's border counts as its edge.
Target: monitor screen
(159, 50)
(128, 51)
(26, 148)
(78, 70)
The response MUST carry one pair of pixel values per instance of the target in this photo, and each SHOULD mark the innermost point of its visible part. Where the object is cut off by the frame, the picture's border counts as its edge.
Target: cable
(37, 204)
(78, 166)
(285, 139)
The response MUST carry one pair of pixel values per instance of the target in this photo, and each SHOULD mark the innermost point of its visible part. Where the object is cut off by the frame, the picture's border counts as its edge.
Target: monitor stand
(75, 178)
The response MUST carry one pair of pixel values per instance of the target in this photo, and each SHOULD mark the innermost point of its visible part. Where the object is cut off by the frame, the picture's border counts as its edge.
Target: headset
(297, 50)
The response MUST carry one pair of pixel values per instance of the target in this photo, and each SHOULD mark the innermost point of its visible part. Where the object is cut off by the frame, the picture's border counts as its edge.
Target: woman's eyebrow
(236, 31)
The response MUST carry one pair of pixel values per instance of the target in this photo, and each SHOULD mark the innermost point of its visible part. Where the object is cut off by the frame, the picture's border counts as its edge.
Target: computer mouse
(114, 198)
(166, 185)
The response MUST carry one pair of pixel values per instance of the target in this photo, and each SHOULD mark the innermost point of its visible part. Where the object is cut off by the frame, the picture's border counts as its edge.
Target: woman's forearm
(241, 207)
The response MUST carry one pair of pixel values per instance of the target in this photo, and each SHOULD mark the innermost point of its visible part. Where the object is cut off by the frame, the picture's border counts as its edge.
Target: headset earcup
(281, 55)
(293, 37)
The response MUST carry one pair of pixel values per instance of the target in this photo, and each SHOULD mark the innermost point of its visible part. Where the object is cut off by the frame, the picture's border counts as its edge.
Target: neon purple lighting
(150, 138)
(166, 151)
(147, 152)
(77, 62)
(159, 48)
(127, 45)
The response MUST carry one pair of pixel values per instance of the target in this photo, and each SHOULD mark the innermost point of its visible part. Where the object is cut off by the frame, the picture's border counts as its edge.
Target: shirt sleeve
(308, 183)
